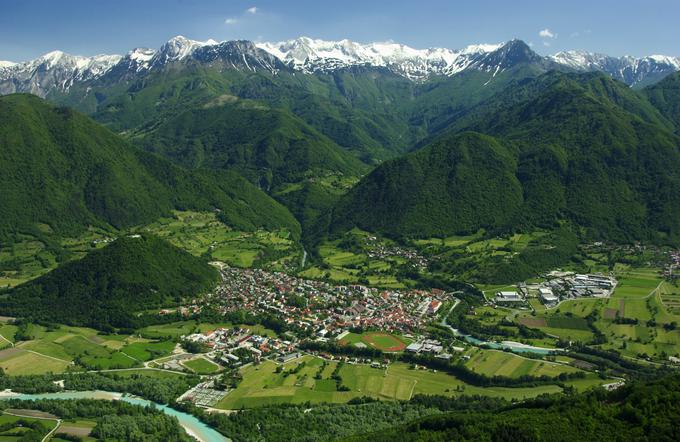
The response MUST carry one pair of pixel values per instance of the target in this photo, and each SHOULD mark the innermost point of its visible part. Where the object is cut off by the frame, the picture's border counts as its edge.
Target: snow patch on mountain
(178, 48)
(313, 55)
(630, 70)
(58, 70)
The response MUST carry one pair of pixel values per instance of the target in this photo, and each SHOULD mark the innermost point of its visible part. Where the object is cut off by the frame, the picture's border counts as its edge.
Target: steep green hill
(665, 96)
(458, 184)
(110, 285)
(268, 146)
(59, 168)
(582, 148)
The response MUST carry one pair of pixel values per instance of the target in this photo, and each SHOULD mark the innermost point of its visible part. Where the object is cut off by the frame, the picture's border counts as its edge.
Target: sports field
(201, 366)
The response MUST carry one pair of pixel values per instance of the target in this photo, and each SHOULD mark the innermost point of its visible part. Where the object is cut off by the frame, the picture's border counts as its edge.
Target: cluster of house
(672, 269)
(235, 346)
(381, 251)
(322, 308)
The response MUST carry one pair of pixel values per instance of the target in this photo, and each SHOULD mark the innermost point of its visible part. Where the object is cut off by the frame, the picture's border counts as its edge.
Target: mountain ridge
(59, 71)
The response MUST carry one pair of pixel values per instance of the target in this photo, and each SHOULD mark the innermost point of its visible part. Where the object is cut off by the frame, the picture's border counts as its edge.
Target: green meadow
(262, 385)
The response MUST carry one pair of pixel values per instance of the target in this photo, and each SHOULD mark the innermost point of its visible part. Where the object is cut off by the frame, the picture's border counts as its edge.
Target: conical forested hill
(60, 168)
(109, 286)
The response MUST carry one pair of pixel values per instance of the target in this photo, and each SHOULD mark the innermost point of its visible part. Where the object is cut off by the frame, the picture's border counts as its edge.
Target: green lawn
(146, 351)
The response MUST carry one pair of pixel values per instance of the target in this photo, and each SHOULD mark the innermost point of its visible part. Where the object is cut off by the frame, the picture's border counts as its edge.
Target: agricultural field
(636, 282)
(176, 329)
(202, 234)
(670, 298)
(353, 259)
(382, 341)
(500, 363)
(80, 428)
(16, 361)
(55, 349)
(201, 365)
(262, 386)
(26, 256)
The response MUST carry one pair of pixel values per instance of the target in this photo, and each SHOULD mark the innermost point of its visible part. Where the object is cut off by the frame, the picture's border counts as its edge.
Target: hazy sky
(29, 28)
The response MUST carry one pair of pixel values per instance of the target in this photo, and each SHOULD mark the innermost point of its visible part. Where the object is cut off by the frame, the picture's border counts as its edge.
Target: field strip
(113, 370)
(655, 290)
(532, 359)
(4, 338)
(48, 435)
(131, 357)
(46, 356)
(412, 389)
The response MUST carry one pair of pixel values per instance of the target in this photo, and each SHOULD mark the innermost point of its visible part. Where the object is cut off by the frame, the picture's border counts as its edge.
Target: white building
(508, 297)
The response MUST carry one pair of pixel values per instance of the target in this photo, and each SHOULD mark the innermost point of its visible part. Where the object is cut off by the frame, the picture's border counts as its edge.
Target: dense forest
(115, 420)
(109, 286)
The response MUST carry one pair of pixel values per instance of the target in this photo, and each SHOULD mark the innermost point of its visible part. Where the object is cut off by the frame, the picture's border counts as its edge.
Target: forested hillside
(268, 146)
(458, 184)
(59, 168)
(665, 96)
(582, 148)
(109, 286)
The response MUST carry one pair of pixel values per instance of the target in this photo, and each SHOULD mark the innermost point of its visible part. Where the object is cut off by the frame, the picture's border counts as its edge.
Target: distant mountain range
(60, 71)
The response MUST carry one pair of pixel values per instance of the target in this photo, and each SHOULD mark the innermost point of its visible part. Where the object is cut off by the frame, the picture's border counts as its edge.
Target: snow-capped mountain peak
(311, 55)
(54, 70)
(178, 48)
(59, 70)
(631, 70)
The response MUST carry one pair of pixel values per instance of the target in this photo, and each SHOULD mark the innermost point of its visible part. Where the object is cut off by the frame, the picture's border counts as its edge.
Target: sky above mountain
(33, 27)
